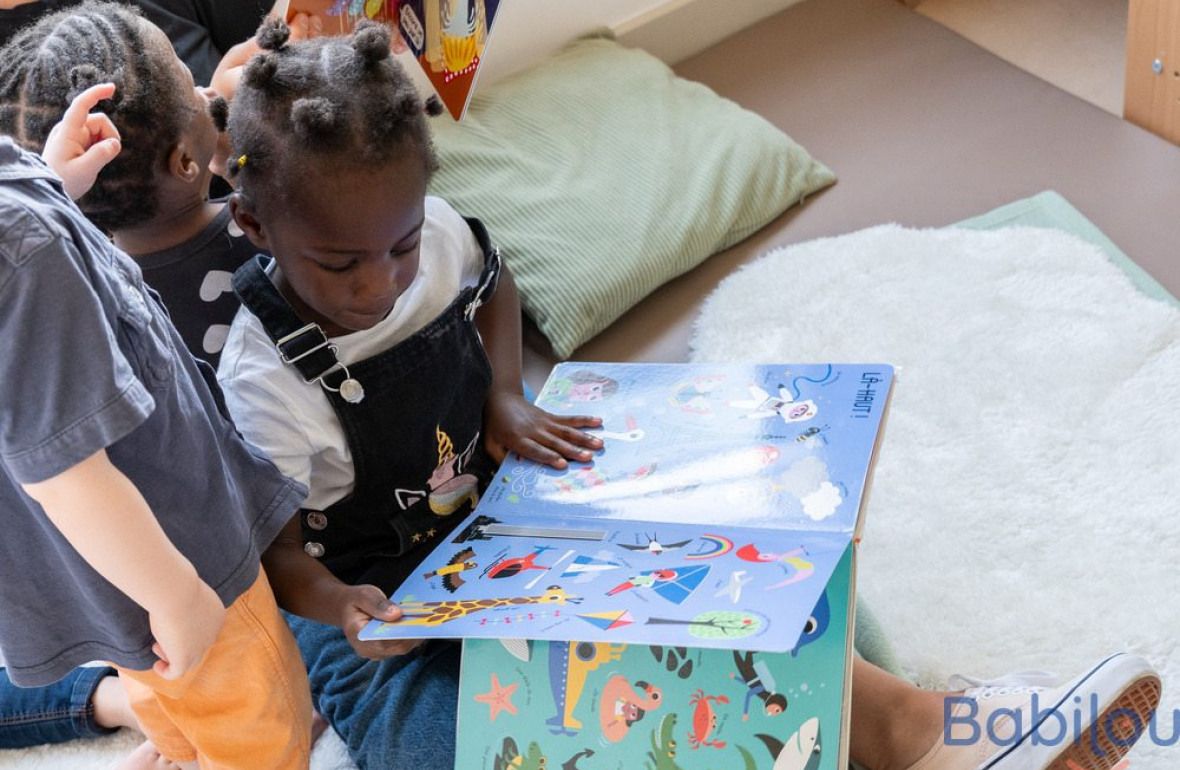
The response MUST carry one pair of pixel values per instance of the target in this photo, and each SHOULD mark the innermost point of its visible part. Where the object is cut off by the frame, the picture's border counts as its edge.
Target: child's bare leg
(111, 707)
(894, 723)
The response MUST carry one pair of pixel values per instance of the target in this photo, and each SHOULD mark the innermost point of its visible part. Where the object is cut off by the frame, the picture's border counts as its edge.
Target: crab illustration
(704, 720)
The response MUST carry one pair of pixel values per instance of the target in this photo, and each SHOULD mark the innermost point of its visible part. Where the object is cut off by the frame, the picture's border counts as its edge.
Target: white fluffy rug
(105, 753)
(1026, 504)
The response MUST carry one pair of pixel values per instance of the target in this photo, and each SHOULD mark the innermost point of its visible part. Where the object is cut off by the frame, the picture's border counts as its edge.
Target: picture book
(526, 705)
(714, 517)
(446, 37)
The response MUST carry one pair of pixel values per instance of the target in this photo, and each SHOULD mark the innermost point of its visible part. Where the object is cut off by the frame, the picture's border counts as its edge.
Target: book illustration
(776, 471)
(557, 579)
(675, 584)
(576, 389)
(663, 707)
(732, 589)
(569, 664)
(662, 755)
(678, 659)
(654, 546)
(447, 38)
(802, 751)
(708, 520)
(704, 720)
(711, 546)
(451, 574)
(759, 681)
(586, 568)
(506, 567)
(418, 613)
(816, 625)
(623, 704)
(498, 698)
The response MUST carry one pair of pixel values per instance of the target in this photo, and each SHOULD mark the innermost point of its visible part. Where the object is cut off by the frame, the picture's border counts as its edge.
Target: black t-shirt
(193, 281)
(200, 30)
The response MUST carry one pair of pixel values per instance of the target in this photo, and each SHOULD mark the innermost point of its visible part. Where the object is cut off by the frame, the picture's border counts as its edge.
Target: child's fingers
(371, 601)
(83, 103)
(537, 452)
(578, 420)
(574, 436)
(100, 127)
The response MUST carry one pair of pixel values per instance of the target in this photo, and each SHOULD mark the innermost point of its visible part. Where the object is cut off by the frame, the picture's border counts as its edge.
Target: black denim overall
(415, 436)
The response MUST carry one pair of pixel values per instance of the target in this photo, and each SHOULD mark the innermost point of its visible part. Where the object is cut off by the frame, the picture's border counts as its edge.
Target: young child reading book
(127, 555)
(358, 363)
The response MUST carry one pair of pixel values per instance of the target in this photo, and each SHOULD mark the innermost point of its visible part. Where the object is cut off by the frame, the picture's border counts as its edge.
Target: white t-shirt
(293, 421)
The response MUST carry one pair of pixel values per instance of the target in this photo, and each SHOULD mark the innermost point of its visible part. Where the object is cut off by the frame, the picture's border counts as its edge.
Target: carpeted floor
(1024, 509)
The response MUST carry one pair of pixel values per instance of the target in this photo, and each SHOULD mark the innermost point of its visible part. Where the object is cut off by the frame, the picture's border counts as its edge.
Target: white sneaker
(1021, 723)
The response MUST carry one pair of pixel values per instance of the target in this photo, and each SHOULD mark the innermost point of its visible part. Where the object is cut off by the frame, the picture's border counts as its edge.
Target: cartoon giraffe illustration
(436, 613)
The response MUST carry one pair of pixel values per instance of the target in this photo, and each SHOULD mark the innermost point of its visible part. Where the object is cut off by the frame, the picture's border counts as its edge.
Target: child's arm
(105, 518)
(510, 422)
(304, 586)
(82, 143)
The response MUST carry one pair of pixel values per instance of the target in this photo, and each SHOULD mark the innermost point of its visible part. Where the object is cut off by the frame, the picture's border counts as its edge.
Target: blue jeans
(55, 713)
(394, 714)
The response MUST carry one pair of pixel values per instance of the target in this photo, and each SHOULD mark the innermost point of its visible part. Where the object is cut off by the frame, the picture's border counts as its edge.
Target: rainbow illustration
(714, 546)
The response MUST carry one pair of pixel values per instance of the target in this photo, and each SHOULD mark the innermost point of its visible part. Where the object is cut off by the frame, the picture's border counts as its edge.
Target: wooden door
(1153, 67)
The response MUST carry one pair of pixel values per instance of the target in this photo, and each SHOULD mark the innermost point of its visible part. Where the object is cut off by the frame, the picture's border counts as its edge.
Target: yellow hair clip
(242, 161)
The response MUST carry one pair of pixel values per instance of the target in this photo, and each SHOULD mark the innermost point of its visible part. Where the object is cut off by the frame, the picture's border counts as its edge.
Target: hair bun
(313, 117)
(273, 33)
(84, 76)
(433, 106)
(260, 71)
(371, 42)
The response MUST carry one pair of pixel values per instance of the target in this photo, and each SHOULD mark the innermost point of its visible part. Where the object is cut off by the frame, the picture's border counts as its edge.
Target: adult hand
(83, 142)
(513, 424)
(186, 629)
(363, 603)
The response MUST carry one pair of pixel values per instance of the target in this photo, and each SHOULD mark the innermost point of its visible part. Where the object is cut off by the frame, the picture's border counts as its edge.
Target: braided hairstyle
(47, 64)
(328, 100)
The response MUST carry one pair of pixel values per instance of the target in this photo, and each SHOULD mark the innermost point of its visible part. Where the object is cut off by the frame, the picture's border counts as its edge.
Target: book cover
(605, 706)
(446, 37)
(715, 516)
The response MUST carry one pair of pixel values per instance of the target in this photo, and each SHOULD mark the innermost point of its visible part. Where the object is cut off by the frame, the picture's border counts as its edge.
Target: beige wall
(526, 31)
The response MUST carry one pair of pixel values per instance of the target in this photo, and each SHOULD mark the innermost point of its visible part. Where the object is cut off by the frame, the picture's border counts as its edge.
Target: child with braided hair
(359, 362)
(154, 197)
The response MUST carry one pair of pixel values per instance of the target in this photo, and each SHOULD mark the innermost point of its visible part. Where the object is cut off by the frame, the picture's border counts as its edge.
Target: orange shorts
(247, 705)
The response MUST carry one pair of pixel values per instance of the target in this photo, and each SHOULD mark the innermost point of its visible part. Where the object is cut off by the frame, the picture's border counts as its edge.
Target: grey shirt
(88, 360)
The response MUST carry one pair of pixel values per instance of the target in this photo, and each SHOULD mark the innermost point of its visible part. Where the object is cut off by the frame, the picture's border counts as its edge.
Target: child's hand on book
(83, 143)
(512, 424)
(186, 630)
(359, 605)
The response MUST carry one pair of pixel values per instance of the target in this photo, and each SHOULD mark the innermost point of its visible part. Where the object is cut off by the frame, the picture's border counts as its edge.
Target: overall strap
(490, 275)
(302, 345)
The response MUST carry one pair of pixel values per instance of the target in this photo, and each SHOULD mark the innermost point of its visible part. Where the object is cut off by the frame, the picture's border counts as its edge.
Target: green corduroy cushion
(601, 175)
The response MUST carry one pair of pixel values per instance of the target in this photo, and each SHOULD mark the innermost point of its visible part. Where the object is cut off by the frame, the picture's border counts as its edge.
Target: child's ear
(241, 210)
(182, 164)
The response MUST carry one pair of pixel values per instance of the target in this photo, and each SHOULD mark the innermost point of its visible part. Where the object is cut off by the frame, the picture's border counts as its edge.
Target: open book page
(534, 704)
(722, 502)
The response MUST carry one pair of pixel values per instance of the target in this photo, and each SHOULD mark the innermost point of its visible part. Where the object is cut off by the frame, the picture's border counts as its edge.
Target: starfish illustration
(498, 698)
